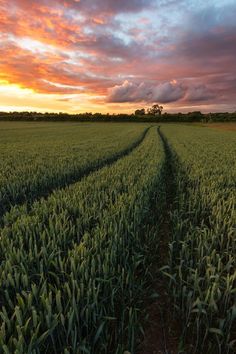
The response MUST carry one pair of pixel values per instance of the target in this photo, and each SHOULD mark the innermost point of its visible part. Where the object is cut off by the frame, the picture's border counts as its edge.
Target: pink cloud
(131, 92)
(163, 93)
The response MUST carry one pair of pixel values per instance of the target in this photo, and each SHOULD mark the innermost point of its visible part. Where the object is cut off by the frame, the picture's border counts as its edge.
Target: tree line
(143, 116)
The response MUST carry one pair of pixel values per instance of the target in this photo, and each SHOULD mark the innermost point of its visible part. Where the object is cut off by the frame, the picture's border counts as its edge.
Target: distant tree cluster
(140, 112)
(153, 114)
(155, 110)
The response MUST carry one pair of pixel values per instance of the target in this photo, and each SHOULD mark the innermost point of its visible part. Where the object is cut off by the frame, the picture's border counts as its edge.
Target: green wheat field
(81, 223)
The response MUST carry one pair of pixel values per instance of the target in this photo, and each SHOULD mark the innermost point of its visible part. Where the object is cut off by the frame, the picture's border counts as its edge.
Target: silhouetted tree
(155, 110)
(140, 112)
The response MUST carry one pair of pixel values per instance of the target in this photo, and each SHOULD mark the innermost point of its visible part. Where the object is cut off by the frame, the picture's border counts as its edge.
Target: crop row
(202, 266)
(69, 265)
(37, 159)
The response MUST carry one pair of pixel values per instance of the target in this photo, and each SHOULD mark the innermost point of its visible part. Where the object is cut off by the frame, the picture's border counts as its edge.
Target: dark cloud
(163, 93)
(131, 92)
(198, 93)
(110, 6)
(219, 44)
(168, 92)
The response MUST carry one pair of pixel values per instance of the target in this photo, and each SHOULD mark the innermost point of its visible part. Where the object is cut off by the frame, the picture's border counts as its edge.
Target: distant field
(98, 220)
(222, 126)
(39, 157)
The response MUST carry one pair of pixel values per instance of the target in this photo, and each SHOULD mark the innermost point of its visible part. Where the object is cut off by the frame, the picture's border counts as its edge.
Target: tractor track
(162, 330)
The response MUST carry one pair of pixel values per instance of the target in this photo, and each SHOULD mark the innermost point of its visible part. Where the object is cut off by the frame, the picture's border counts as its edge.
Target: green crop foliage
(39, 157)
(69, 263)
(81, 207)
(202, 261)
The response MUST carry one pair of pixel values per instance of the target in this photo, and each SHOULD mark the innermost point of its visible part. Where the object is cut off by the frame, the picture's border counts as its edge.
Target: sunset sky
(117, 55)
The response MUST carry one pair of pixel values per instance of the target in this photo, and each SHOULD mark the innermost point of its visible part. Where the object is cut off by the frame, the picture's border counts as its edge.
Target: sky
(117, 55)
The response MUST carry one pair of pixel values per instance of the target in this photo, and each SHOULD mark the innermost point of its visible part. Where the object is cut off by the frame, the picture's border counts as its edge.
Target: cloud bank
(163, 93)
(122, 52)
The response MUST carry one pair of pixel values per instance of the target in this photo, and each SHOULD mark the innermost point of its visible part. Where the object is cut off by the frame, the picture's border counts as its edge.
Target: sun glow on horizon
(29, 100)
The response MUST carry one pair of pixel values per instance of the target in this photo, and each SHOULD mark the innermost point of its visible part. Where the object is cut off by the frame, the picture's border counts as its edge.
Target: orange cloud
(99, 21)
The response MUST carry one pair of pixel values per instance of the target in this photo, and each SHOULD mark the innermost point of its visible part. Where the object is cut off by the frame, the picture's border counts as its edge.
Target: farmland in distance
(102, 223)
